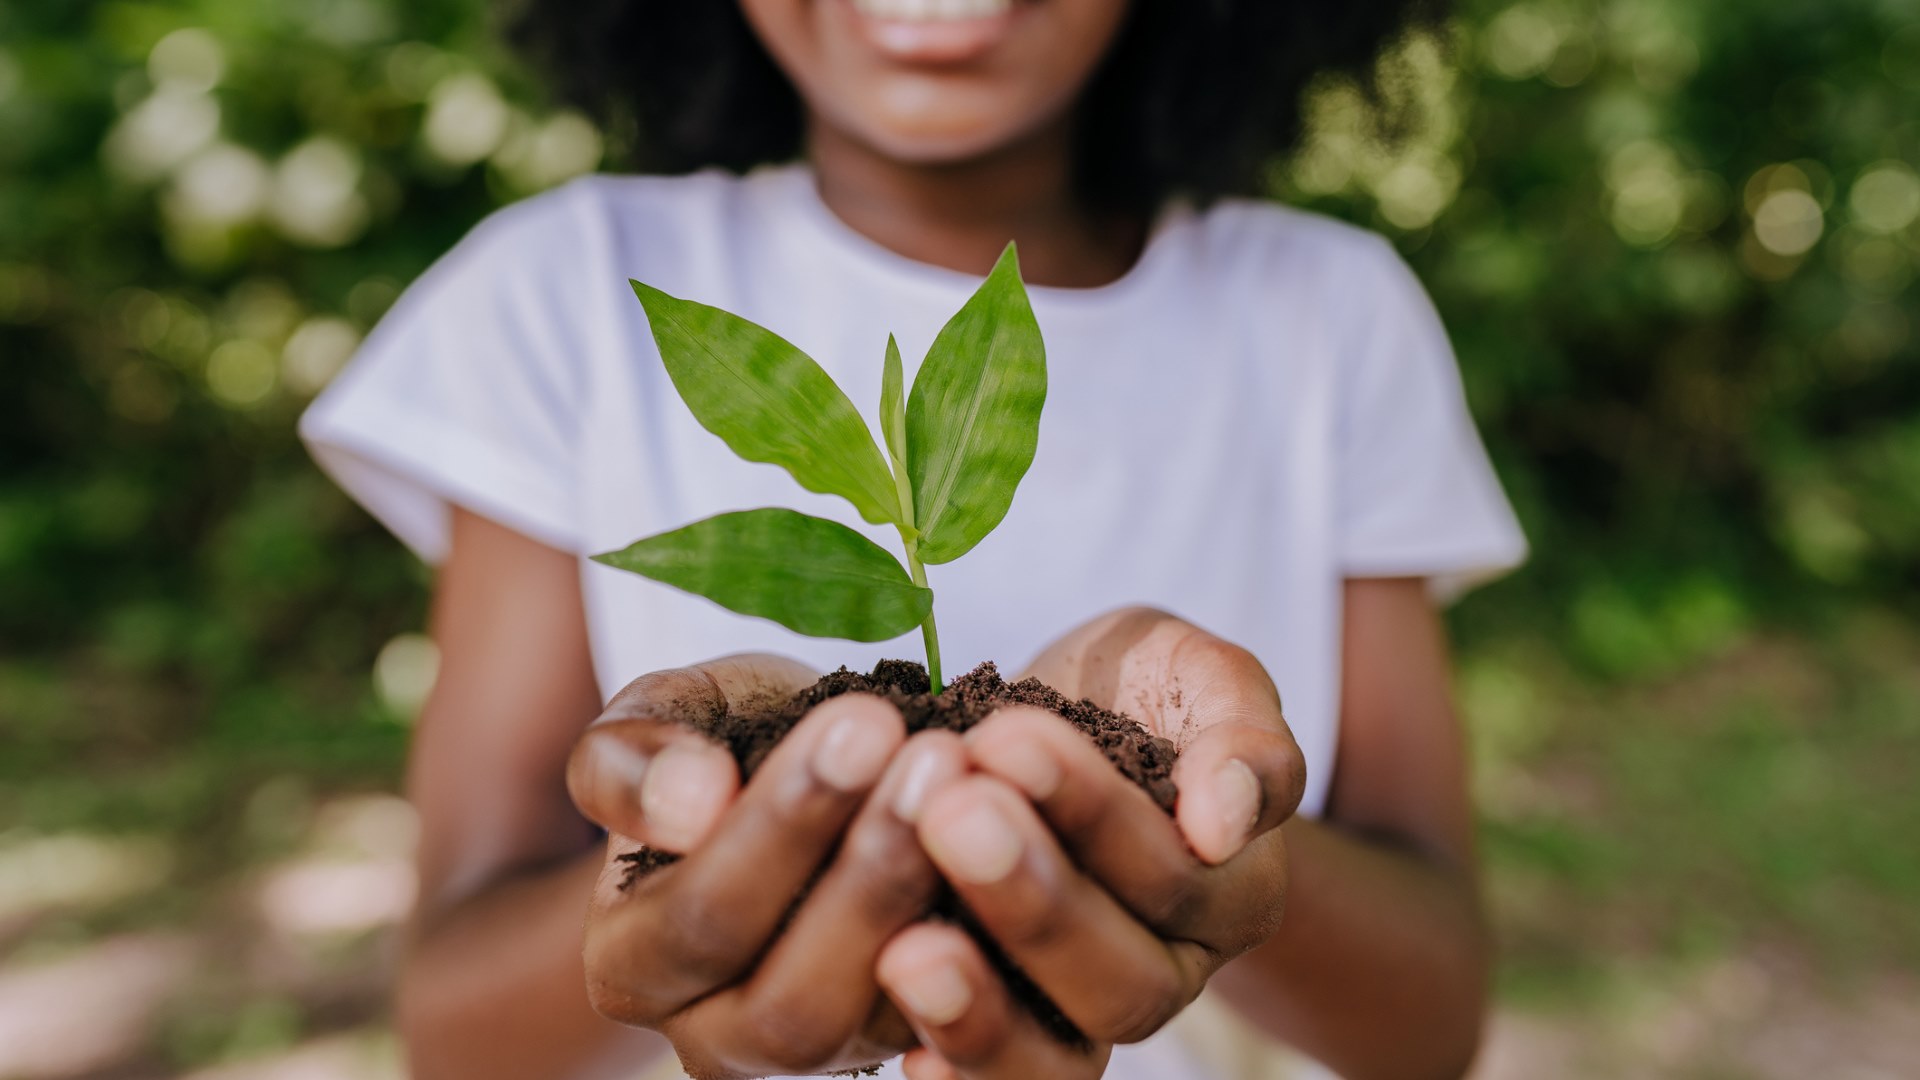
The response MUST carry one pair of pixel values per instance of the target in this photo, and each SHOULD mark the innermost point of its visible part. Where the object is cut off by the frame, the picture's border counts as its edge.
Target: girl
(1254, 420)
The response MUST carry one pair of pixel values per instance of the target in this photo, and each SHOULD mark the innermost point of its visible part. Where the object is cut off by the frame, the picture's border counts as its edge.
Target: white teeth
(930, 10)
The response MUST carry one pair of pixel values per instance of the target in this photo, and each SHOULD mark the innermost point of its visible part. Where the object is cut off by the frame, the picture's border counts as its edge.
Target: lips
(932, 10)
(933, 31)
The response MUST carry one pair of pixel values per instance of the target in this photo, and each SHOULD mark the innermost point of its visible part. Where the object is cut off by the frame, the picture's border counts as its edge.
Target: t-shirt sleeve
(1416, 494)
(470, 391)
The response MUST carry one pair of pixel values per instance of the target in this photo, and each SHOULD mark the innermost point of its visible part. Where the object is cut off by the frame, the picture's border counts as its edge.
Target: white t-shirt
(1264, 405)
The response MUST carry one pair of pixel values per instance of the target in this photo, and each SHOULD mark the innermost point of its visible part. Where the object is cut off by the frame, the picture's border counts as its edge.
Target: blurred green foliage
(204, 206)
(1676, 242)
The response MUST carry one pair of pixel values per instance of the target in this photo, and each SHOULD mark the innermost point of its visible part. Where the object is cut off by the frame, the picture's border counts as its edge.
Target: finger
(1192, 687)
(642, 770)
(657, 781)
(1121, 838)
(1112, 976)
(1165, 672)
(700, 922)
(969, 1027)
(1237, 781)
(705, 691)
(921, 1063)
(808, 1004)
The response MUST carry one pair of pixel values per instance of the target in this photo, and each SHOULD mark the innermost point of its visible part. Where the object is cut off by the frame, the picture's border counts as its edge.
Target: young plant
(956, 448)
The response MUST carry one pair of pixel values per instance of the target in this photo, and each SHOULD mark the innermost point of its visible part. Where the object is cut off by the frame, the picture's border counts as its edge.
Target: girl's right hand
(711, 950)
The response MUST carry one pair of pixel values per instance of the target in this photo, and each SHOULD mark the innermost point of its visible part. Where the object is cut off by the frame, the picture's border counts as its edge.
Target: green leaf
(893, 413)
(893, 422)
(769, 401)
(973, 420)
(808, 574)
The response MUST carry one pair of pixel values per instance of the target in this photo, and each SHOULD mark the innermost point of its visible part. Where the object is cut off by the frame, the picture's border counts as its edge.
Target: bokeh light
(404, 673)
(1788, 222)
(241, 372)
(189, 58)
(466, 119)
(316, 196)
(316, 351)
(162, 131)
(1886, 198)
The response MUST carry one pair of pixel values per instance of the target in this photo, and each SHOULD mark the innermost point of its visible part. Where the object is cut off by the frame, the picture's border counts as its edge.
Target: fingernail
(978, 846)
(916, 783)
(937, 994)
(1238, 792)
(678, 797)
(849, 757)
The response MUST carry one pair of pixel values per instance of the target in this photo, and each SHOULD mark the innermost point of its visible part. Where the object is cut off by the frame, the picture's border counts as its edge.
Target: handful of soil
(1143, 757)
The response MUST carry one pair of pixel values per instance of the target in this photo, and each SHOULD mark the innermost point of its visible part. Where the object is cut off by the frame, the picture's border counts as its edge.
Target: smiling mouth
(935, 31)
(932, 10)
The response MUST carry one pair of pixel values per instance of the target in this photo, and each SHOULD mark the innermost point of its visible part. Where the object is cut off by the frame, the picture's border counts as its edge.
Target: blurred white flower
(162, 131)
(190, 59)
(1788, 222)
(466, 119)
(541, 154)
(316, 194)
(1413, 178)
(1522, 41)
(1648, 196)
(317, 351)
(1414, 192)
(404, 672)
(1886, 198)
(222, 185)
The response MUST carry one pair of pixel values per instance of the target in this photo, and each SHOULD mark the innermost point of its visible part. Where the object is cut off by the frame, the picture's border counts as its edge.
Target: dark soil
(1146, 759)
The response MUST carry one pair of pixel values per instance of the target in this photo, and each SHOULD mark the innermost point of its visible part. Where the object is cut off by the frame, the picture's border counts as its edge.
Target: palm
(1176, 679)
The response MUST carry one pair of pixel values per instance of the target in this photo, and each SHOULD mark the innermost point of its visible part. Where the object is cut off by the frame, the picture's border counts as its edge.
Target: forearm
(495, 987)
(1380, 966)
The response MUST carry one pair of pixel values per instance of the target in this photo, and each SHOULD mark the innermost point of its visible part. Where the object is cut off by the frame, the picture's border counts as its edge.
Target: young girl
(1253, 420)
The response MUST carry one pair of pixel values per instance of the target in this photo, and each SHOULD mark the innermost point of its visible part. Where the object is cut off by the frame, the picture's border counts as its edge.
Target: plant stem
(909, 539)
(928, 631)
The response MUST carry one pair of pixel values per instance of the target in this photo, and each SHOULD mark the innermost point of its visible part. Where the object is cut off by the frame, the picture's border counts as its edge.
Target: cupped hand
(1118, 912)
(969, 1025)
(712, 950)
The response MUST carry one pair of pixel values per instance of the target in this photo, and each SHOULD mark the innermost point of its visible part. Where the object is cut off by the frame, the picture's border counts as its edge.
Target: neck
(960, 215)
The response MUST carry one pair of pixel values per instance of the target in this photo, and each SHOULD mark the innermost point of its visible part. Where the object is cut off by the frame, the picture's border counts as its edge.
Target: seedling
(955, 450)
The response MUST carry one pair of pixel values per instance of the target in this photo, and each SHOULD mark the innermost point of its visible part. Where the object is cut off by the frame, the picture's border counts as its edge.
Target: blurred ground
(1657, 919)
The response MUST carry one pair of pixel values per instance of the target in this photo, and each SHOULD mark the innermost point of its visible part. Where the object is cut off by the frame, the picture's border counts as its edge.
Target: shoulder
(663, 202)
(1272, 238)
(608, 216)
(1316, 278)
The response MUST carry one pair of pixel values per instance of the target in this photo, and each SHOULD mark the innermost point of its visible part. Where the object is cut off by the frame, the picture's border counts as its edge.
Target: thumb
(1237, 781)
(644, 772)
(657, 781)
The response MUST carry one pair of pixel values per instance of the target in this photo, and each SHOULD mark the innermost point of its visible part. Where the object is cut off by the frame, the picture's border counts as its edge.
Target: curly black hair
(1194, 99)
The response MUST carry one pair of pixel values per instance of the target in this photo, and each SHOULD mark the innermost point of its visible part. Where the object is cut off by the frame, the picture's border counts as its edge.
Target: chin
(933, 81)
(932, 127)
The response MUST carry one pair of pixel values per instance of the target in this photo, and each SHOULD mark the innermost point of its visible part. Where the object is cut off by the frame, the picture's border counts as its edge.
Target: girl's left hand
(1117, 911)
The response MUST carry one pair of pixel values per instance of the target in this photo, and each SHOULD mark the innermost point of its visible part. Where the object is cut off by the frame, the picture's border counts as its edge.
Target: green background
(1676, 243)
